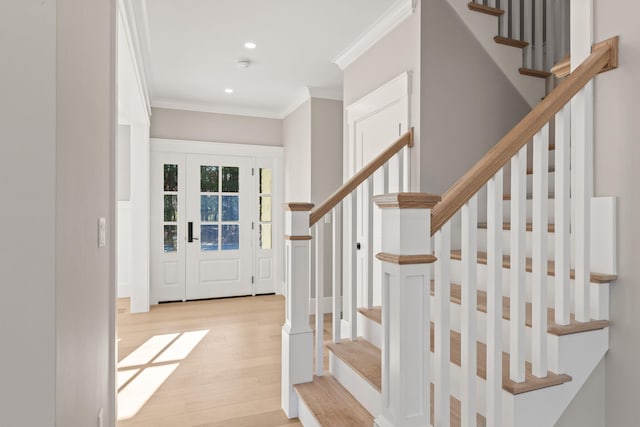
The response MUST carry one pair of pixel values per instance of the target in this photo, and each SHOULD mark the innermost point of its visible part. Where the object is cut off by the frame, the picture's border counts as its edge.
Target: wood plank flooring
(230, 378)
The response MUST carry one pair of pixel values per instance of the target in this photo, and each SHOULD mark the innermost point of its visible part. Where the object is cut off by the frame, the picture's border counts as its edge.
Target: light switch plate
(102, 232)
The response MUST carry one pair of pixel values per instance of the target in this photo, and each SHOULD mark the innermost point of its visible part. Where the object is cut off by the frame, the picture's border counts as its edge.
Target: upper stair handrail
(362, 175)
(496, 158)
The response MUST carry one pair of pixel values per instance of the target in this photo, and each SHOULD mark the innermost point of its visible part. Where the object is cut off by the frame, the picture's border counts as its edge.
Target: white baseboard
(327, 305)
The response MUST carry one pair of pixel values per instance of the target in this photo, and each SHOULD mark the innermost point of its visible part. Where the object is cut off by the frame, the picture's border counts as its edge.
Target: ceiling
(194, 47)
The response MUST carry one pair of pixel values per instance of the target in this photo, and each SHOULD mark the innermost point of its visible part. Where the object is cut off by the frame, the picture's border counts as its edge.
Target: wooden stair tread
(331, 404)
(534, 73)
(362, 356)
(506, 263)
(552, 169)
(507, 226)
(530, 383)
(374, 313)
(510, 42)
(369, 361)
(485, 9)
(507, 197)
(573, 327)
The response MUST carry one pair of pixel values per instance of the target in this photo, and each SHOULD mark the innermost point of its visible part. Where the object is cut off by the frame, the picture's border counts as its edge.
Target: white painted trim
(389, 93)
(327, 305)
(301, 97)
(136, 29)
(394, 16)
(218, 148)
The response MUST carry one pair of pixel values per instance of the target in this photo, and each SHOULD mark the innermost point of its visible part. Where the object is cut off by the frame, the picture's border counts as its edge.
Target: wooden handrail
(467, 186)
(360, 177)
(563, 67)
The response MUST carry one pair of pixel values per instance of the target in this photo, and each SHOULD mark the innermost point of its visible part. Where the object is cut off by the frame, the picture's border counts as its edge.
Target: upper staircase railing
(406, 223)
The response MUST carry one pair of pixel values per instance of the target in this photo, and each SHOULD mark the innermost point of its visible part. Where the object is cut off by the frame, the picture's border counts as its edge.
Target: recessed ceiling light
(250, 45)
(228, 90)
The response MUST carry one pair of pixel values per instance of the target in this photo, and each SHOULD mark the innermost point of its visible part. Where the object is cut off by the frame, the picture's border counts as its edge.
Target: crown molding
(394, 16)
(308, 92)
(133, 16)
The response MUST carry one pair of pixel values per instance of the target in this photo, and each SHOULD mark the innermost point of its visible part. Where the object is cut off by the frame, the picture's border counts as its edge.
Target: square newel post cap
(296, 225)
(407, 201)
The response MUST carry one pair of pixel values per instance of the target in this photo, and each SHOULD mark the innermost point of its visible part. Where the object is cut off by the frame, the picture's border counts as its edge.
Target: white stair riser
(551, 184)
(305, 416)
(360, 388)
(599, 292)
(370, 330)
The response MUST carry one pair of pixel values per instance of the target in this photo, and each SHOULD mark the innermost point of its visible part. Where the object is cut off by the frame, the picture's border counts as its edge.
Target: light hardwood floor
(231, 378)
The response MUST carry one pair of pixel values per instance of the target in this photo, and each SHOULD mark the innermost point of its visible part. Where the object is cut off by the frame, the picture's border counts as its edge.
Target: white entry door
(212, 226)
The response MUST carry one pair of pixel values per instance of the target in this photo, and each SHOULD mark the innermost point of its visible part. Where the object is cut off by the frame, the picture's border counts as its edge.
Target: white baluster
(367, 206)
(539, 254)
(406, 169)
(503, 20)
(494, 299)
(562, 213)
(515, 20)
(550, 36)
(538, 50)
(527, 30)
(582, 163)
(442, 326)
(337, 269)
(401, 170)
(319, 238)
(469, 311)
(297, 336)
(353, 266)
(385, 172)
(518, 265)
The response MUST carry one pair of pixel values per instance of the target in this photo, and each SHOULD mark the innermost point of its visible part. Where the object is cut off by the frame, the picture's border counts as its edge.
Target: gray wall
(199, 126)
(617, 151)
(467, 102)
(326, 148)
(58, 126)
(296, 139)
(394, 54)
(85, 191)
(27, 168)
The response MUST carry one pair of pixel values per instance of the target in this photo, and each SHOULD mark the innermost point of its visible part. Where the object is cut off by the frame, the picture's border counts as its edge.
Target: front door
(211, 226)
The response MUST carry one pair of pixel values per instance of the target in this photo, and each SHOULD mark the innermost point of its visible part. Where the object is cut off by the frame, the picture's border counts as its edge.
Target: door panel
(219, 250)
(264, 202)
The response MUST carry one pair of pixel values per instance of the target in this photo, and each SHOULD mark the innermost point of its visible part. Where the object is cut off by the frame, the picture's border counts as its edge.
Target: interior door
(374, 134)
(218, 226)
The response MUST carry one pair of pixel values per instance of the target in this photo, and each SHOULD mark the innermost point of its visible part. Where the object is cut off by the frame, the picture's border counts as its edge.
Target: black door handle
(358, 246)
(190, 232)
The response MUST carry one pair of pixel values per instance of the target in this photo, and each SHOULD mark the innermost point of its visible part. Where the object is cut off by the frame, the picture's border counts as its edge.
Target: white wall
(85, 190)
(27, 169)
(326, 148)
(617, 150)
(200, 126)
(296, 139)
(468, 104)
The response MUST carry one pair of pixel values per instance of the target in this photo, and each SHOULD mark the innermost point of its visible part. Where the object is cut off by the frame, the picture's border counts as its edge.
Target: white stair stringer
(507, 58)
(360, 388)
(307, 419)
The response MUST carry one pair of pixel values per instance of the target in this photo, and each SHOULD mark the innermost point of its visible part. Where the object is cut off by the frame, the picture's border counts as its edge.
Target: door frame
(275, 153)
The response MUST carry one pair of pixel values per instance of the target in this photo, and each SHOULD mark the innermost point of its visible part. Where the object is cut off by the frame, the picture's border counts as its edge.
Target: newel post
(297, 335)
(406, 273)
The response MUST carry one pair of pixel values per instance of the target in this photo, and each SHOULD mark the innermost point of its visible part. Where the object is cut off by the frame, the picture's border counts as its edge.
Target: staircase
(487, 306)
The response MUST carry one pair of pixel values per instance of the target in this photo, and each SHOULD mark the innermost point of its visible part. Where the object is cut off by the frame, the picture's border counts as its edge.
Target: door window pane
(265, 236)
(265, 208)
(170, 177)
(265, 181)
(209, 237)
(209, 179)
(230, 237)
(230, 179)
(230, 208)
(170, 207)
(209, 208)
(170, 238)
